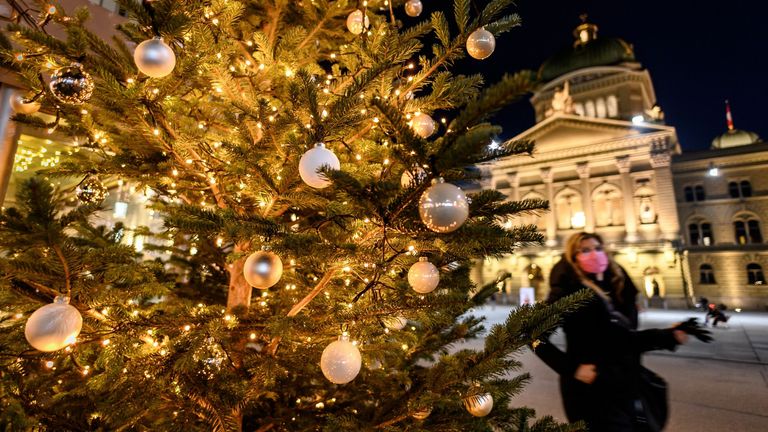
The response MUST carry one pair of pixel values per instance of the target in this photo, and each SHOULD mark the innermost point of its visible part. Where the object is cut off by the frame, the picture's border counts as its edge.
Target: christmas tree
(308, 149)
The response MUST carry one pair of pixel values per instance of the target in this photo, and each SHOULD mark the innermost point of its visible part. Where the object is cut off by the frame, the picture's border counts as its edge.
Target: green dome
(735, 138)
(588, 51)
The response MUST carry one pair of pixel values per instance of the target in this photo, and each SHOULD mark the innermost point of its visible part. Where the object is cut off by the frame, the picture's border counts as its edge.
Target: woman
(600, 370)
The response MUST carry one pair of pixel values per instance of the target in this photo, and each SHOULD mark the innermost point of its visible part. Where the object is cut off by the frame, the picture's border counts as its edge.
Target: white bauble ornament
(423, 125)
(19, 105)
(395, 322)
(480, 405)
(414, 175)
(341, 361)
(443, 207)
(155, 58)
(481, 43)
(71, 84)
(314, 159)
(263, 269)
(54, 326)
(423, 276)
(413, 8)
(357, 21)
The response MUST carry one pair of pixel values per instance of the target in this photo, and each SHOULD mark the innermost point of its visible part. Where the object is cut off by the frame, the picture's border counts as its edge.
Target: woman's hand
(680, 336)
(586, 373)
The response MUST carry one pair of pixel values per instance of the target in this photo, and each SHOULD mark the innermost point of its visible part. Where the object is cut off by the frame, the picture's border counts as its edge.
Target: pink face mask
(593, 262)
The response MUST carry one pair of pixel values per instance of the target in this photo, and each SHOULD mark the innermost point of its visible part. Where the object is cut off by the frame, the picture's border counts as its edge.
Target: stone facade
(734, 192)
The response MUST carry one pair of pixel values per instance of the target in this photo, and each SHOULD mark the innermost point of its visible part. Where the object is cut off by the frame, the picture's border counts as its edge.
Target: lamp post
(682, 258)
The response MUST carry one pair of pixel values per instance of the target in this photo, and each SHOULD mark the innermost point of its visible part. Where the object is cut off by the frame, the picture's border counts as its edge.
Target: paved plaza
(722, 386)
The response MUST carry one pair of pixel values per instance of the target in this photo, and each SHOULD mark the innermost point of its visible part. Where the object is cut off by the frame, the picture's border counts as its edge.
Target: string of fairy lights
(443, 207)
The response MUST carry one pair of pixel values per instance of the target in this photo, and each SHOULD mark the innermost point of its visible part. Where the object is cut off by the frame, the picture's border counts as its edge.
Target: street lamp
(713, 170)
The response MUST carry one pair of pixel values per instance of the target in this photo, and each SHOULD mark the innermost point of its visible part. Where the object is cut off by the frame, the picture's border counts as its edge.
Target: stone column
(586, 196)
(8, 136)
(547, 177)
(665, 195)
(514, 183)
(628, 191)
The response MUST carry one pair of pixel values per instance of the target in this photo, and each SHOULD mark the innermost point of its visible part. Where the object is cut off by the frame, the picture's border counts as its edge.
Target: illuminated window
(567, 207)
(609, 205)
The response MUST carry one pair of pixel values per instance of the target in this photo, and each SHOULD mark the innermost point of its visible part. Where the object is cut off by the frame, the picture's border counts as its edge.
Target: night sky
(699, 53)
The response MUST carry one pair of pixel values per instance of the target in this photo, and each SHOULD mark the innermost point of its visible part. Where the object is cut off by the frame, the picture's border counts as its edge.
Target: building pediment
(565, 131)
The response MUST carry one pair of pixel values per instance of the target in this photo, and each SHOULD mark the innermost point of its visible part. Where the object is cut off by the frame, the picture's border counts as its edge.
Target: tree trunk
(239, 296)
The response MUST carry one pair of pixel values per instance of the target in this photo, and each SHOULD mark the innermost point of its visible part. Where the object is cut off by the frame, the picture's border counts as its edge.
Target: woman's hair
(573, 247)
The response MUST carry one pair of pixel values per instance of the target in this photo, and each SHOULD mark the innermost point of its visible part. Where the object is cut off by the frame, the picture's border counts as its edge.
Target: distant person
(717, 314)
(601, 377)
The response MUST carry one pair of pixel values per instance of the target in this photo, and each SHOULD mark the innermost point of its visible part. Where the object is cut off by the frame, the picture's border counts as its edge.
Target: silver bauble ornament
(91, 191)
(423, 125)
(314, 159)
(71, 84)
(413, 176)
(443, 207)
(394, 322)
(263, 269)
(155, 58)
(357, 22)
(341, 361)
(481, 43)
(423, 276)
(479, 405)
(54, 326)
(21, 106)
(413, 8)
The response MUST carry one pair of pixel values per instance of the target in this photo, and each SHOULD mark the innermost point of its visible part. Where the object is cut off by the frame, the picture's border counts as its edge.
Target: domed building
(722, 199)
(602, 160)
(682, 225)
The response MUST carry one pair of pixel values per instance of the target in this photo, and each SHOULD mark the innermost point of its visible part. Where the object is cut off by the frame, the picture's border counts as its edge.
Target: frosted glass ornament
(414, 175)
(413, 8)
(341, 361)
(263, 269)
(314, 159)
(395, 322)
(479, 406)
(443, 207)
(91, 191)
(154, 58)
(54, 326)
(71, 84)
(357, 22)
(481, 43)
(423, 125)
(18, 105)
(423, 276)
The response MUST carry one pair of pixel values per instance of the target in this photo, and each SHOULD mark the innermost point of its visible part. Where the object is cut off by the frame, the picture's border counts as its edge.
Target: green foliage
(165, 344)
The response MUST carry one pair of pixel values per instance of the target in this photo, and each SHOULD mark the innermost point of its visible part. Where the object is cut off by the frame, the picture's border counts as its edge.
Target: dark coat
(597, 334)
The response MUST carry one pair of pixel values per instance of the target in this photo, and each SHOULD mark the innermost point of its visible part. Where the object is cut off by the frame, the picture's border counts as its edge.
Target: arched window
(700, 233)
(646, 208)
(747, 231)
(589, 107)
(568, 209)
(612, 103)
(745, 187)
(608, 205)
(688, 192)
(601, 109)
(755, 274)
(706, 274)
(699, 193)
(733, 189)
